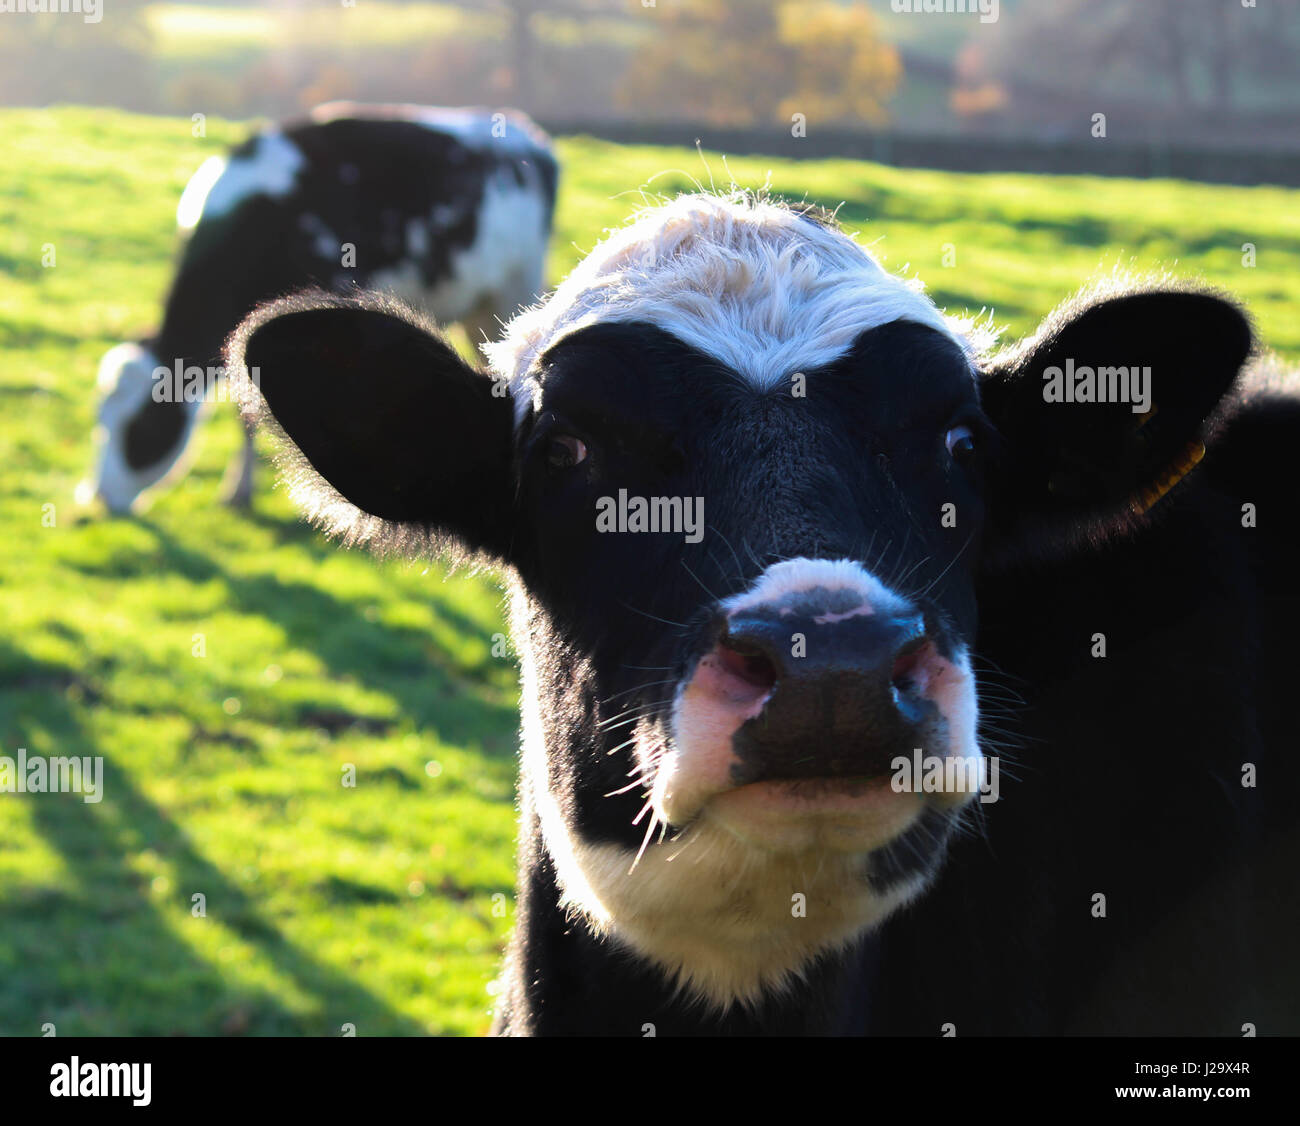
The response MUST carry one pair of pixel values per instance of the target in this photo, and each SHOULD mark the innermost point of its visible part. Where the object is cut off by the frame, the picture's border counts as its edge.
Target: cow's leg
(494, 310)
(237, 484)
(484, 321)
(524, 288)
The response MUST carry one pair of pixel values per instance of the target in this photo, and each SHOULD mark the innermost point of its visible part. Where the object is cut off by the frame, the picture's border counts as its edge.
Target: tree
(1190, 64)
(842, 72)
(745, 62)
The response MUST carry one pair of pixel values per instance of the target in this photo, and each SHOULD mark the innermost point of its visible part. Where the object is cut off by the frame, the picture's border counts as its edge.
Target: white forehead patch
(747, 281)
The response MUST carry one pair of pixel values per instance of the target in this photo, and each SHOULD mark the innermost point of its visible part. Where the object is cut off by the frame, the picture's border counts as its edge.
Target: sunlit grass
(232, 670)
(186, 31)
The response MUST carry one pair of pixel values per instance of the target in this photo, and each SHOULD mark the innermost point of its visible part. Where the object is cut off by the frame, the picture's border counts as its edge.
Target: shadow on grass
(96, 956)
(434, 690)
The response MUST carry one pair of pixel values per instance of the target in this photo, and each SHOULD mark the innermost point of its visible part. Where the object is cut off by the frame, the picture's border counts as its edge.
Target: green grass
(379, 905)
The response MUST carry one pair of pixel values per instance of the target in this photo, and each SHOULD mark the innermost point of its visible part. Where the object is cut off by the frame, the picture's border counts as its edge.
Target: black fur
(1124, 777)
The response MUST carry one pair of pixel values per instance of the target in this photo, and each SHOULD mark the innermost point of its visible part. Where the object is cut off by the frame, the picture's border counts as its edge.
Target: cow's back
(407, 199)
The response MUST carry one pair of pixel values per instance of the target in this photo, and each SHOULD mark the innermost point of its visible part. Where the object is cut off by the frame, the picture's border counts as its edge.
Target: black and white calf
(909, 545)
(449, 208)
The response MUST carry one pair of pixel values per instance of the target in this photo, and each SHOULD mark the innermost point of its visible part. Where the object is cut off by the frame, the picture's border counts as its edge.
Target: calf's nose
(847, 685)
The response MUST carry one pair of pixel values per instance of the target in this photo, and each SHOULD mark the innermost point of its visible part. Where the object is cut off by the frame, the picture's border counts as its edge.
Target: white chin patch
(728, 923)
(736, 890)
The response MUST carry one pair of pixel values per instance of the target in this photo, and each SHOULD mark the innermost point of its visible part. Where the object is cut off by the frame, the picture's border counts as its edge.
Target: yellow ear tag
(1186, 462)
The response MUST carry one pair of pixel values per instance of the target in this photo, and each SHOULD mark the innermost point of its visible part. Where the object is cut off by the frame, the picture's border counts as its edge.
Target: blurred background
(230, 667)
(1197, 71)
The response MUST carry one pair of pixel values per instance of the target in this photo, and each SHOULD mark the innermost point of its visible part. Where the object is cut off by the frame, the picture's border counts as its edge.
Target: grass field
(228, 668)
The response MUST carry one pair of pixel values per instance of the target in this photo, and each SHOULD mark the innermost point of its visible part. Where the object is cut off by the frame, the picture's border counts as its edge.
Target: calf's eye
(565, 451)
(961, 444)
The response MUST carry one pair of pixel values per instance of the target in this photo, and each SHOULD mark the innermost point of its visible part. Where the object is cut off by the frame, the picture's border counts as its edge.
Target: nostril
(909, 676)
(746, 662)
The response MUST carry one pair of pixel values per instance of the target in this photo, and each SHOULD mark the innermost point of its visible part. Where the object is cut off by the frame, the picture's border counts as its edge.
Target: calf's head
(744, 482)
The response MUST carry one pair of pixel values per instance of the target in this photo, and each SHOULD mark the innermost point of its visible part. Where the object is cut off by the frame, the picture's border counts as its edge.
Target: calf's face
(760, 664)
(745, 483)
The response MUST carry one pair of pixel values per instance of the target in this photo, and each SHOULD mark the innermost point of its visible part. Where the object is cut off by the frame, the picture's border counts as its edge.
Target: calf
(450, 208)
(750, 491)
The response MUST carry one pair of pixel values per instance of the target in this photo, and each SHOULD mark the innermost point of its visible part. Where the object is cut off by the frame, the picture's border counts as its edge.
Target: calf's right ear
(386, 436)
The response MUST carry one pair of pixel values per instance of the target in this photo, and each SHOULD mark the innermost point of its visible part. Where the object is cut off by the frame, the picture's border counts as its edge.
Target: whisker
(638, 781)
(631, 719)
(925, 593)
(633, 712)
(626, 743)
(699, 580)
(740, 570)
(638, 688)
(653, 617)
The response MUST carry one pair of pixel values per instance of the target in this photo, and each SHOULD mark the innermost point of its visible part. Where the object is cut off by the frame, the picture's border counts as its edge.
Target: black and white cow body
(903, 547)
(449, 208)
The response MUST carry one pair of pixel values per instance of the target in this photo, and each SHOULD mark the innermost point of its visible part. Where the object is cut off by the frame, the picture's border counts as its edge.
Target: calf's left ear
(387, 437)
(1105, 409)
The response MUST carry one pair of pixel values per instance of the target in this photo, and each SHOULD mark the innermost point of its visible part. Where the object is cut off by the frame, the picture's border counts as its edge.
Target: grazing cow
(450, 208)
(750, 490)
